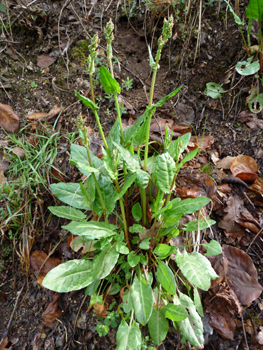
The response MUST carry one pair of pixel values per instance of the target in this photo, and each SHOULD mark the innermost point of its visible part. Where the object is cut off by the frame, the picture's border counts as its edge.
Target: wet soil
(28, 88)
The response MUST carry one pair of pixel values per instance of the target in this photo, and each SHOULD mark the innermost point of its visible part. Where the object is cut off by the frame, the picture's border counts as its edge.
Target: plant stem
(101, 132)
(91, 87)
(119, 115)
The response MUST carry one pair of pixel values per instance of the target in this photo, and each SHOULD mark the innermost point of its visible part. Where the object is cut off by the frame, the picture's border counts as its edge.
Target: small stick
(253, 240)
(14, 309)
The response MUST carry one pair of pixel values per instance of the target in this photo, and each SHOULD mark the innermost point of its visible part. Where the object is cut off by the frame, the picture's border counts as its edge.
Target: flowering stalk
(91, 61)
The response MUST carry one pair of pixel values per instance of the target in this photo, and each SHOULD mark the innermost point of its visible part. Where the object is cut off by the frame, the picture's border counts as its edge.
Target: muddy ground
(27, 88)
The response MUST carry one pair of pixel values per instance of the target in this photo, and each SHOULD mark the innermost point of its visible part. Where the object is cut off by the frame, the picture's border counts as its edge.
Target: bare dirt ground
(27, 88)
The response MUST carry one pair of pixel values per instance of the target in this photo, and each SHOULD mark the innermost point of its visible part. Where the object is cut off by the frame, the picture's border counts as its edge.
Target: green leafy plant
(127, 84)
(253, 65)
(129, 235)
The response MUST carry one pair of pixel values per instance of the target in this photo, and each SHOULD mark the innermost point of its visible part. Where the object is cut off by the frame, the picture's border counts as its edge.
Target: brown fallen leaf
(4, 164)
(4, 343)
(158, 125)
(9, 120)
(52, 312)
(245, 168)
(47, 116)
(250, 119)
(202, 142)
(44, 61)
(37, 259)
(225, 163)
(18, 151)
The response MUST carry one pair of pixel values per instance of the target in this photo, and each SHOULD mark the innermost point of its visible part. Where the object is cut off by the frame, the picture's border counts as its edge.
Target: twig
(253, 240)
(244, 331)
(199, 31)
(14, 309)
(78, 315)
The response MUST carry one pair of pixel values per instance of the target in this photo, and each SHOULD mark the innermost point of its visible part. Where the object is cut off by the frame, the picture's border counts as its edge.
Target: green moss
(81, 51)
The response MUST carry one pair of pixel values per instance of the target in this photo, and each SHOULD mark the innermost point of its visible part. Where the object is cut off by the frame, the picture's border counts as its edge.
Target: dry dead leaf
(9, 120)
(225, 163)
(259, 336)
(37, 259)
(18, 151)
(44, 61)
(36, 116)
(100, 309)
(4, 164)
(4, 343)
(250, 119)
(40, 115)
(52, 312)
(158, 125)
(245, 168)
(202, 142)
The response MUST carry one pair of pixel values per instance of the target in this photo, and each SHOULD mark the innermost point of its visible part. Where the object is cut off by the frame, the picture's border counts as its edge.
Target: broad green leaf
(256, 103)
(71, 275)
(127, 302)
(104, 262)
(169, 206)
(164, 172)
(67, 213)
(142, 299)
(255, 10)
(175, 312)
(186, 206)
(109, 84)
(121, 248)
(194, 270)
(107, 192)
(162, 250)
(133, 259)
(92, 288)
(2, 8)
(114, 135)
(137, 211)
(84, 168)
(142, 178)
(91, 229)
(129, 181)
(79, 155)
(158, 326)
(177, 147)
(135, 228)
(236, 18)
(140, 136)
(128, 337)
(206, 264)
(214, 90)
(145, 243)
(87, 102)
(186, 159)
(109, 165)
(198, 224)
(132, 130)
(198, 302)
(213, 248)
(165, 277)
(114, 289)
(131, 163)
(95, 298)
(69, 193)
(90, 188)
(192, 327)
(164, 99)
(248, 67)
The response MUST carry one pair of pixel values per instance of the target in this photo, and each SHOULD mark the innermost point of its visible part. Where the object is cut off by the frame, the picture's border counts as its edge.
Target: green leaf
(164, 99)
(85, 169)
(142, 178)
(195, 269)
(163, 250)
(186, 159)
(152, 63)
(114, 135)
(67, 213)
(142, 299)
(90, 188)
(214, 90)
(104, 262)
(186, 206)
(192, 327)
(95, 298)
(165, 277)
(213, 248)
(109, 84)
(137, 211)
(92, 288)
(158, 326)
(91, 229)
(109, 165)
(108, 194)
(79, 155)
(198, 302)
(198, 224)
(255, 10)
(127, 302)
(131, 163)
(130, 132)
(128, 336)
(177, 147)
(87, 102)
(121, 248)
(248, 67)
(129, 181)
(2, 8)
(69, 193)
(236, 18)
(256, 103)
(133, 259)
(164, 171)
(71, 275)
(167, 207)
(145, 243)
(175, 312)
(135, 228)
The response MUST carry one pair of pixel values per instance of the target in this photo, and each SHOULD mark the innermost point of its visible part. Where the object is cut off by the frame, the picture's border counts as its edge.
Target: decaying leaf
(44, 61)
(52, 312)
(18, 151)
(202, 142)
(4, 164)
(37, 259)
(255, 192)
(225, 163)
(48, 116)
(9, 120)
(250, 119)
(245, 168)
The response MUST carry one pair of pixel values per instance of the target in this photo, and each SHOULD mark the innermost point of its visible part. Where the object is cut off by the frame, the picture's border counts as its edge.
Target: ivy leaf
(109, 84)
(213, 248)
(214, 90)
(158, 326)
(128, 336)
(142, 299)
